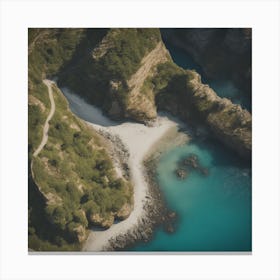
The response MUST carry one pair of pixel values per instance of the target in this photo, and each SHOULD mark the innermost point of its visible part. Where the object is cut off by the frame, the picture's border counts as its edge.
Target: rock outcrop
(80, 233)
(182, 93)
(98, 220)
(124, 212)
(221, 52)
(140, 105)
(231, 124)
(190, 164)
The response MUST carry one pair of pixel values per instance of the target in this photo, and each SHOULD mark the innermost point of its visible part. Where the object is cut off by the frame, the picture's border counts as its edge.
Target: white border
(262, 16)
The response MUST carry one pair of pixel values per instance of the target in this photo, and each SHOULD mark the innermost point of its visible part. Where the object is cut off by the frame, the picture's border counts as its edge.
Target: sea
(214, 212)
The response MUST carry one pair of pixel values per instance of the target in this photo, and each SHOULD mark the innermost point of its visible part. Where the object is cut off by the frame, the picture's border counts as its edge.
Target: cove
(214, 211)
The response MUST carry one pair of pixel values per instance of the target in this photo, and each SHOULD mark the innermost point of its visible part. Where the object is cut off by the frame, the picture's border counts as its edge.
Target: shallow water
(214, 211)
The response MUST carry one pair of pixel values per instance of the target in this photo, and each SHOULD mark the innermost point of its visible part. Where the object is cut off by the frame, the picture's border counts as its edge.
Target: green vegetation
(116, 60)
(167, 84)
(48, 50)
(74, 178)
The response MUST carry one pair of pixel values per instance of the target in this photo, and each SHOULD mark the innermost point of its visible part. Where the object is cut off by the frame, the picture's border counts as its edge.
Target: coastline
(155, 209)
(141, 142)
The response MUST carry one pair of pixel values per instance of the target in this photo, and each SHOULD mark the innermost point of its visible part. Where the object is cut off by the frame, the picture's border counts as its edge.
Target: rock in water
(191, 161)
(181, 173)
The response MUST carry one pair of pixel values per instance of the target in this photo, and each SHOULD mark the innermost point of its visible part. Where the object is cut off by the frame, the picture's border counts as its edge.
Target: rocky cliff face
(221, 52)
(141, 105)
(112, 73)
(130, 73)
(187, 97)
(229, 122)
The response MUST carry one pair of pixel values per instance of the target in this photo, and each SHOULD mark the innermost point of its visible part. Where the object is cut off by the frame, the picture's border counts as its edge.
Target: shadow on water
(86, 111)
(223, 88)
(220, 154)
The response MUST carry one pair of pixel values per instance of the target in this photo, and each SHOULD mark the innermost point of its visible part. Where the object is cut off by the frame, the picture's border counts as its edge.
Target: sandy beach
(140, 140)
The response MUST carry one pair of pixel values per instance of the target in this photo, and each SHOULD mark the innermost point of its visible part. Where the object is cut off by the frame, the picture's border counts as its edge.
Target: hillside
(124, 85)
(129, 74)
(72, 180)
(107, 73)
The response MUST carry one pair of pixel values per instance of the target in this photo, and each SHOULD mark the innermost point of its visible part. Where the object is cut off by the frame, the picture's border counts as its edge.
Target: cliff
(229, 122)
(184, 95)
(141, 105)
(115, 67)
(130, 75)
(221, 52)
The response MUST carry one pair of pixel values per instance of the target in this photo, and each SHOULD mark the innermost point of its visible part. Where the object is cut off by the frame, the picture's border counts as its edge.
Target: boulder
(80, 233)
(98, 220)
(124, 212)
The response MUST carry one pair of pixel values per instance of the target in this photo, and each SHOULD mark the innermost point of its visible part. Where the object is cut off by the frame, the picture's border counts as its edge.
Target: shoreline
(156, 211)
(141, 142)
(148, 203)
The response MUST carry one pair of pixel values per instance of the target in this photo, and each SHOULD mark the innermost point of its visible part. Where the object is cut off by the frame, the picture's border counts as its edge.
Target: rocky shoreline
(118, 152)
(156, 214)
(156, 211)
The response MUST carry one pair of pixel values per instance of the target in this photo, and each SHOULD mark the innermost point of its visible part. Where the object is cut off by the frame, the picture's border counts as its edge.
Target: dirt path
(48, 83)
(158, 55)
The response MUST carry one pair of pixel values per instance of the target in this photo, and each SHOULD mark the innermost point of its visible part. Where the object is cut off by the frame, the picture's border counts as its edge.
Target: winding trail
(48, 83)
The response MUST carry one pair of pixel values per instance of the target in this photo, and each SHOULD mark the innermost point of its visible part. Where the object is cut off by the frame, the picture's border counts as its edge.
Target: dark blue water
(214, 211)
(224, 88)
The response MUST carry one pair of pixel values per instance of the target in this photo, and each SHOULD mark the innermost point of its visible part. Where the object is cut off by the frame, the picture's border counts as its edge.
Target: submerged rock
(169, 228)
(204, 171)
(191, 161)
(171, 215)
(181, 173)
(189, 164)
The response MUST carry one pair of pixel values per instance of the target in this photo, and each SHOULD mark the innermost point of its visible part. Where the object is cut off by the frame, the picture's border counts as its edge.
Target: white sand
(139, 139)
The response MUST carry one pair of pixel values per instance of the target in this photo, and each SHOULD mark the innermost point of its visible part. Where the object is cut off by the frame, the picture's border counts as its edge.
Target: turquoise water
(224, 88)
(214, 212)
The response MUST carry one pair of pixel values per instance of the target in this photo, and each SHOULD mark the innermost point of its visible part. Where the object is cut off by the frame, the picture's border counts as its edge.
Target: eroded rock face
(124, 212)
(98, 220)
(80, 233)
(231, 124)
(140, 105)
(198, 104)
